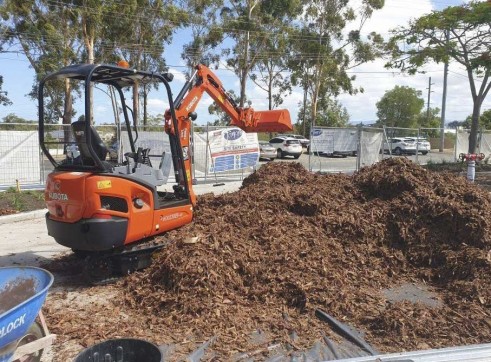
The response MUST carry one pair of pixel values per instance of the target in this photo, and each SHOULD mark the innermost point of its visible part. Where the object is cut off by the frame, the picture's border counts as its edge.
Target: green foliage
(23, 200)
(330, 114)
(324, 54)
(4, 101)
(484, 120)
(13, 122)
(13, 118)
(206, 35)
(430, 120)
(457, 33)
(400, 107)
(222, 118)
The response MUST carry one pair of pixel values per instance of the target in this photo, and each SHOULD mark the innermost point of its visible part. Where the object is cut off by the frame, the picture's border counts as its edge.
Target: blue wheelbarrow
(23, 291)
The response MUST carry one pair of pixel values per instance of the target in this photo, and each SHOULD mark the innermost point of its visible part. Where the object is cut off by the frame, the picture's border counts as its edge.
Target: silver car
(266, 151)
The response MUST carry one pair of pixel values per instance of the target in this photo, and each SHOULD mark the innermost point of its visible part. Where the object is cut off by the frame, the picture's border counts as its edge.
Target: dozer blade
(271, 121)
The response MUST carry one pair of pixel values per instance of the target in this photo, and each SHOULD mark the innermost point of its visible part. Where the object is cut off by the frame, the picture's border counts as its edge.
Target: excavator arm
(203, 81)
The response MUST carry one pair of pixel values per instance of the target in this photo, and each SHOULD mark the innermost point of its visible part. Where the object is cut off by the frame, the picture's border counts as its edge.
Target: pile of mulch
(289, 242)
(4, 212)
(263, 259)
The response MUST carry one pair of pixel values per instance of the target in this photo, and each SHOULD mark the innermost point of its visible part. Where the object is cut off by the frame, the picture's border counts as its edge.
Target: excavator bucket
(273, 121)
(270, 121)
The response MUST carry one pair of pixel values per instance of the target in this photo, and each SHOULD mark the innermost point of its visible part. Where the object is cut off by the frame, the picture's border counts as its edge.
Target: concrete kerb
(198, 189)
(22, 216)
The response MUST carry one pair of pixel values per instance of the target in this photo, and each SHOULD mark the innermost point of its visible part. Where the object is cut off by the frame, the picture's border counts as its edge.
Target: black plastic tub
(121, 350)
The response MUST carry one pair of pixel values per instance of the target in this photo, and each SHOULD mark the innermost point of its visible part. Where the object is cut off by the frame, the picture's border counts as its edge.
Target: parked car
(286, 146)
(305, 142)
(422, 144)
(266, 151)
(400, 146)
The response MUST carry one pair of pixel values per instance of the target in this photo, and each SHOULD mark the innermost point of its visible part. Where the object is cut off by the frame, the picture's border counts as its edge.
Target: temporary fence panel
(225, 150)
(370, 145)
(422, 134)
(334, 141)
(485, 144)
(19, 157)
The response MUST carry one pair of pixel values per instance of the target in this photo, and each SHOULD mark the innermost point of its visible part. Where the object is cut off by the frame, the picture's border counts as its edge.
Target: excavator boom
(205, 81)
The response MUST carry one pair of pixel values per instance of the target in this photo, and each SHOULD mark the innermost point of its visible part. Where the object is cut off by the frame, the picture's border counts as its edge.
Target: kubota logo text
(58, 196)
(191, 104)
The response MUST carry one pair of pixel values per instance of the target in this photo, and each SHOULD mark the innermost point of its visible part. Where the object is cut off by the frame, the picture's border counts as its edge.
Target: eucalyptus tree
(330, 113)
(459, 33)
(222, 118)
(139, 35)
(238, 20)
(271, 68)
(251, 24)
(46, 33)
(330, 43)
(204, 23)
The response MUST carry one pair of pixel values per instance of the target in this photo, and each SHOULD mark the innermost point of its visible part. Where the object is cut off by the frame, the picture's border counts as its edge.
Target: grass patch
(483, 166)
(21, 201)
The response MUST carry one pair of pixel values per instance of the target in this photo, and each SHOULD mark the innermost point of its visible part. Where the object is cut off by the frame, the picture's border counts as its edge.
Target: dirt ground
(398, 252)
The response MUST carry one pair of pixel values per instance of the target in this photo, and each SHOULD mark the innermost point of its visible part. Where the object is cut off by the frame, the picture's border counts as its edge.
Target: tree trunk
(243, 81)
(67, 111)
(474, 126)
(145, 116)
(135, 104)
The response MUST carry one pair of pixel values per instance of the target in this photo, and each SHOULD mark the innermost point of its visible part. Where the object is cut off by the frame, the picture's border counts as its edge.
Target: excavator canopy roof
(106, 73)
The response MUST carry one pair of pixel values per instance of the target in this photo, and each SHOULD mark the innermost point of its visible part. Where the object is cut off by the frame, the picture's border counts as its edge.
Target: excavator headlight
(138, 203)
(192, 116)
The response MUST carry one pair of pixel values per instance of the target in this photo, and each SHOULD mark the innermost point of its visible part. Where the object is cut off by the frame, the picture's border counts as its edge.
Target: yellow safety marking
(105, 184)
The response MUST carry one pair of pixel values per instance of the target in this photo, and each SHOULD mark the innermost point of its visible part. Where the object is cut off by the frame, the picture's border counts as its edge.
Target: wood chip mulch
(288, 242)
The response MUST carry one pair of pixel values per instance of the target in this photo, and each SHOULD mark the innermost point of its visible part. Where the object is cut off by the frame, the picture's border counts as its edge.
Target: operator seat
(98, 146)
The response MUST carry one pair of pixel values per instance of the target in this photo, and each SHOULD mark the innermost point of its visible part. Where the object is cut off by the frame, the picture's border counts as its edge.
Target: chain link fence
(330, 150)
(20, 155)
(360, 144)
(23, 162)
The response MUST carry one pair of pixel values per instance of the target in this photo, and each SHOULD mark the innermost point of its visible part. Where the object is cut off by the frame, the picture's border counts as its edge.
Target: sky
(372, 77)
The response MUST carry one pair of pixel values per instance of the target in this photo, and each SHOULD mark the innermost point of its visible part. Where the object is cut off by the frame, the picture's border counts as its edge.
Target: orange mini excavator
(107, 208)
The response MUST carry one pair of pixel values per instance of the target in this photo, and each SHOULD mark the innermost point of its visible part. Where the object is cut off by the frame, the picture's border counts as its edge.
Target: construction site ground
(396, 251)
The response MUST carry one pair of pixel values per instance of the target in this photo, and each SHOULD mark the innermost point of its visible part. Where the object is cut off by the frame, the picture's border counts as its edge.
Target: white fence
(217, 152)
(20, 157)
(483, 143)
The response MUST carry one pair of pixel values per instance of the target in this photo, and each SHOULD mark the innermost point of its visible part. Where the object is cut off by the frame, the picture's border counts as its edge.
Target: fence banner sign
(329, 141)
(230, 149)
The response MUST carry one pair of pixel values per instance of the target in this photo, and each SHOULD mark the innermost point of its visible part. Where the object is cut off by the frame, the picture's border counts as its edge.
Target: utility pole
(428, 105)
(444, 98)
